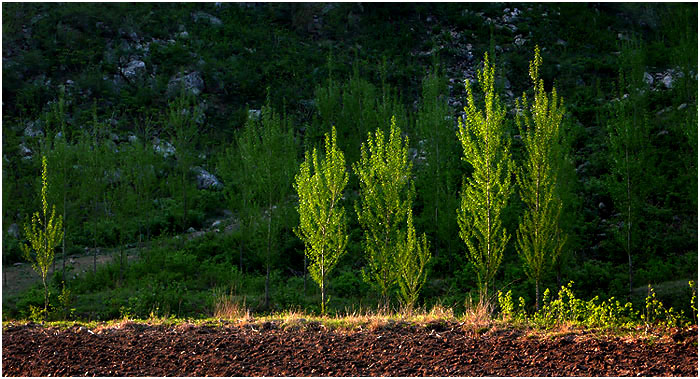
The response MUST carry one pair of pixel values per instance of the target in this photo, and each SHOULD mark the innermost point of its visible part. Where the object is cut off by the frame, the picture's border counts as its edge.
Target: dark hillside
(141, 110)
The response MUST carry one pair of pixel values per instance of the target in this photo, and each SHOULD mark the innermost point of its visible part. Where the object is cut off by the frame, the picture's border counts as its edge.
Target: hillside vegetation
(184, 134)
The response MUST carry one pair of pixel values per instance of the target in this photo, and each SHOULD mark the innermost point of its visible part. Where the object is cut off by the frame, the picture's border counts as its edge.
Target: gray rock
(254, 114)
(667, 81)
(25, 151)
(13, 231)
(682, 106)
(134, 69)
(33, 129)
(206, 180)
(206, 17)
(648, 78)
(133, 139)
(215, 223)
(192, 82)
(191, 230)
(164, 148)
(114, 137)
(519, 40)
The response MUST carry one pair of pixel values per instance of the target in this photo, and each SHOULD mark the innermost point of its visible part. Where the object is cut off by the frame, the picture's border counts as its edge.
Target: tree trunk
(629, 229)
(46, 296)
(240, 257)
(305, 270)
(267, 260)
(63, 275)
(537, 295)
(184, 201)
(323, 284)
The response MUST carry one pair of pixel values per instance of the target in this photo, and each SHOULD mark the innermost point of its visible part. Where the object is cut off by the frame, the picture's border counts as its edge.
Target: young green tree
(413, 256)
(386, 194)
(183, 116)
(268, 159)
(59, 152)
(437, 176)
(629, 148)
(238, 190)
(484, 195)
(322, 221)
(93, 185)
(44, 234)
(539, 237)
(142, 166)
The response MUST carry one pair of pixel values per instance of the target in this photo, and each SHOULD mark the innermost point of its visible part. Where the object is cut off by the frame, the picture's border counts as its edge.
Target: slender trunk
(629, 224)
(305, 270)
(537, 295)
(240, 257)
(184, 200)
(46, 296)
(63, 275)
(267, 259)
(323, 287)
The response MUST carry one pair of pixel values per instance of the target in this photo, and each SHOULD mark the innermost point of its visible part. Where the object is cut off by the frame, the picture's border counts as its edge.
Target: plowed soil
(268, 350)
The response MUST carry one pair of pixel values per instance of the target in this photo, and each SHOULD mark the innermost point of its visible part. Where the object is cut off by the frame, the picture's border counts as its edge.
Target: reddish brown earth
(268, 350)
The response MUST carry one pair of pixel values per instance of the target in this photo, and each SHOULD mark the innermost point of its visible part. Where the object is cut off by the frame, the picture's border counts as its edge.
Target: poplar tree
(60, 155)
(238, 190)
(182, 118)
(629, 149)
(268, 158)
(93, 185)
(322, 221)
(413, 256)
(44, 234)
(386, 193)
(484, 195)
(437, 179)
(539, 238)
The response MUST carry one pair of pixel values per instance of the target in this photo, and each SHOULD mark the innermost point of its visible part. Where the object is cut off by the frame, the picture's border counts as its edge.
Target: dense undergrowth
(353, 66)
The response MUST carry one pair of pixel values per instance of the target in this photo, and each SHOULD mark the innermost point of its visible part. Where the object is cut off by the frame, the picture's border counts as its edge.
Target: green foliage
(505, 302)
(386, 194)
(322, 222)
(413, 257)
(694, 300)
(656, 314)
(566, 308)
(356, 108)
(539, 236)
(484, 195)
(183, 120)
(268, 155)
(629, 150)
(44, 233)
(437, 174)
(66, 300)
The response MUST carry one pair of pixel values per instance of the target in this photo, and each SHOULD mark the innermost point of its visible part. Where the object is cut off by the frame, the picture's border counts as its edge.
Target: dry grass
(229, 307)
(478, 315)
